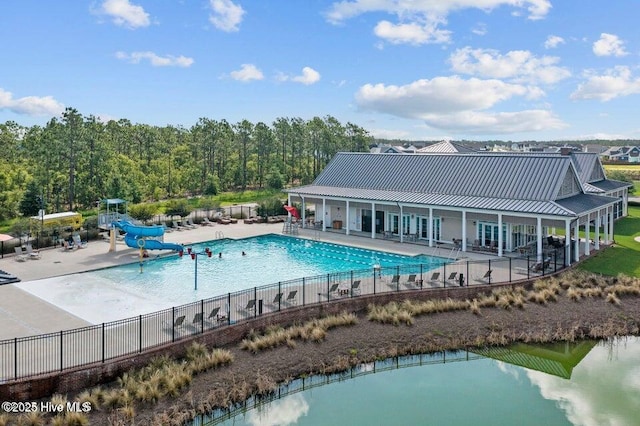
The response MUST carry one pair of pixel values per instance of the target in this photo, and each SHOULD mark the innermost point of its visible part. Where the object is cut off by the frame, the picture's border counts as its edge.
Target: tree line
(75, 160)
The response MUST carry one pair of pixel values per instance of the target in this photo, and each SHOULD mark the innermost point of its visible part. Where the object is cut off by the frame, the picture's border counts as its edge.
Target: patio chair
(179, 322)
(189, 224)
(197, 319)
(452, 277)
(486, 278)
(251, 306)
(206, 222)
(31, 253)
(213, 315)
(277, 300)
(334, 290)
(411, 281)
(355, 288)
(434, 280)
(20, 255)
(292, 298)
(177, 226)
(395, 281)
(166, 228)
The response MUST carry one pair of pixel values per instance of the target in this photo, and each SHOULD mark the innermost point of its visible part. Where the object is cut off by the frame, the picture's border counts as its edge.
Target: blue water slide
(136, 236)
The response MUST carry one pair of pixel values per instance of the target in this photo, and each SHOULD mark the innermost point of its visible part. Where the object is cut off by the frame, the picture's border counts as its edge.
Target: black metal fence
(35, 355)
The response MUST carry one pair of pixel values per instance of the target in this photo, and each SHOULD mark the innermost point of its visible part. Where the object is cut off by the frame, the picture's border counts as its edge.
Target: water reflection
(585, 383)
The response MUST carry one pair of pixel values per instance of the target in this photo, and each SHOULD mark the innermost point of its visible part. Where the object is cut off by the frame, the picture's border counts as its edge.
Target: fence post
(280, 293)
(469, 276)
(489, 270)
(103, 348)
(173, 323)
(444, 275)
(303, 292)
(328, 287)
(228, 308)
(140, 332)
(15, 358)
(374, 280)
(510, 270)
(61, 355)
(201, 315)
(255, 297)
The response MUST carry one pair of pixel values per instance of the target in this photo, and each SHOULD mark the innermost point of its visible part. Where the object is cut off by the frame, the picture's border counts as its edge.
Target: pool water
(268, 259)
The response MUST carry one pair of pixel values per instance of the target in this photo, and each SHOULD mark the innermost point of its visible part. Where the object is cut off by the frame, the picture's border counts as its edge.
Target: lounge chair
(20, 255)
(31, 253)
(395, 281)
(179, 322)
(166, 228)
(213, 315)
(434, 280)
(452, 277)
(206, 222)
(411, 281)
(251, 306)
(177, 226)
(334, 290)
(292, 298)
(486, 278)
(197, 319)
(277, 300)
(78, 242)
(189, 224)
(355, 288)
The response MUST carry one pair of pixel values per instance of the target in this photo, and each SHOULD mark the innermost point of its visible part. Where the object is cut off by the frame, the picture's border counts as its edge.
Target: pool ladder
(219, 235)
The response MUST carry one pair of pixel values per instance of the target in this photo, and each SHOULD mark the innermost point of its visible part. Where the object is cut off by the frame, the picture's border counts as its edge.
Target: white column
(373, 220)
(597, 237)
(625, 201)
(539, 239)
(605, 225)
(289, 204)
(430, 227)
(611, 236)
(304, 216)
(324, 214)
(587, 235)
(576, 245)
(567, 241)
(348, 218)
(500, 242)
(464, 230)
(401, 225)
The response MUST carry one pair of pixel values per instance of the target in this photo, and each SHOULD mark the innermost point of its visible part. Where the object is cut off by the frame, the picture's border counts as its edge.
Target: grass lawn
(624, 256)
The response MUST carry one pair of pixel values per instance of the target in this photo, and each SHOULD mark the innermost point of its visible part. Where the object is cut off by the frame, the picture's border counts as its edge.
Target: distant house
(629, 154)
(501, 201)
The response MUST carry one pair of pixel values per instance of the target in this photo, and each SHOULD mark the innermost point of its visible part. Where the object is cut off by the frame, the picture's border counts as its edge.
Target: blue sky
(409, 69)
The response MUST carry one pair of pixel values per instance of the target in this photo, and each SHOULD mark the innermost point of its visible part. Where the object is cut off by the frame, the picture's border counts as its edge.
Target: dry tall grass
(314, 330)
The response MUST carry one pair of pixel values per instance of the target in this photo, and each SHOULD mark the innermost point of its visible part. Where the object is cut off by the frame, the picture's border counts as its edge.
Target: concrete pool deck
(24, 314)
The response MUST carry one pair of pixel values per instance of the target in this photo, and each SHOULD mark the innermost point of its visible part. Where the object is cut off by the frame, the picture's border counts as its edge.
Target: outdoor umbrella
(3, 238)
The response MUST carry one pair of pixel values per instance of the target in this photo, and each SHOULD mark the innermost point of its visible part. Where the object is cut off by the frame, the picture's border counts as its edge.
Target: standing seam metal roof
(482, 175)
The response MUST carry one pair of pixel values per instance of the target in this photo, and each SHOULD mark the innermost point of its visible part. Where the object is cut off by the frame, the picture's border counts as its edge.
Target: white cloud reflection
(285, 411)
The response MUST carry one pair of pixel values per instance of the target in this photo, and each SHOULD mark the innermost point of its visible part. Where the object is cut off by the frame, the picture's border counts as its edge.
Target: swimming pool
(268, 259)
(122, 291)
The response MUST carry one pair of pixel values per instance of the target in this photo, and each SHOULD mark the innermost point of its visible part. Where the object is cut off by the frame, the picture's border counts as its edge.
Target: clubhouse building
(521, 203)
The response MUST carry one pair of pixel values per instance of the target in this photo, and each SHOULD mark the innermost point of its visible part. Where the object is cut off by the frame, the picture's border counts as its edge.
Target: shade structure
(3, 238)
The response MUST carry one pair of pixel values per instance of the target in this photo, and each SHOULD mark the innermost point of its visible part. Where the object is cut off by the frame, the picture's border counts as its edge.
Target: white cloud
(411, 33)
(125, 14)
(609, 45)
(553, 41)
(419, 21)
(516, 65)
(30, 105)
(309, 76)
(226, 15)
(156, 60)
(480, 29)
(286, 411)
(247, 72)
(457, 105)
(614, 83)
